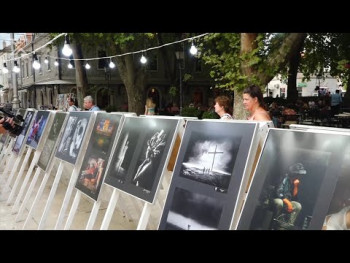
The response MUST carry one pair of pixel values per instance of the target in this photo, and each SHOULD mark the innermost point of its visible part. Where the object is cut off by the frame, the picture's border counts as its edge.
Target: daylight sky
(7, 37)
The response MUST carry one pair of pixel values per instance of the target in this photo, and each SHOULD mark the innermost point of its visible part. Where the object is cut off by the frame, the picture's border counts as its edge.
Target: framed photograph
(51, 141)
(73, 135)
(294, 180)
(17, 147)
(37, 128)
(3, 140)
(93, 167)
(208, 173)
(140, 155)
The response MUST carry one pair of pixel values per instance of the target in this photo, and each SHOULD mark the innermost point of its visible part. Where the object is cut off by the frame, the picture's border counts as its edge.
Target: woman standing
(150, 107)
(222, 107)
(253, 102)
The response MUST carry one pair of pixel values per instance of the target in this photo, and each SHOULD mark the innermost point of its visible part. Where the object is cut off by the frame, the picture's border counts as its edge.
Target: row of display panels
(310, 169)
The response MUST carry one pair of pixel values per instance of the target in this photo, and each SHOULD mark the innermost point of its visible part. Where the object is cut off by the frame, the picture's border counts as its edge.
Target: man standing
(336, 100)
(89, 104)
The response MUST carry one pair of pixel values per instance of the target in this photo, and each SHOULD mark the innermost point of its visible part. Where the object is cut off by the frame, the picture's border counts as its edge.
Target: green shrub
(210, 115)
(190, 112)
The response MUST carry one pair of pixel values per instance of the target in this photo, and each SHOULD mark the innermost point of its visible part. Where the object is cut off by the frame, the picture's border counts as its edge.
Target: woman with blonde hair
(150, 107)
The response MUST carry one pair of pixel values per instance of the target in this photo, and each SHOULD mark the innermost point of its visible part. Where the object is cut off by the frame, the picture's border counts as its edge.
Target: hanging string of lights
(67, 51)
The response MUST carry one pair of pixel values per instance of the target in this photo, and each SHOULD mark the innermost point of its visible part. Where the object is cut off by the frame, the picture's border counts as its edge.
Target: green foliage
(187, 77)
(210, 115)
(172, 91)
(190, 112)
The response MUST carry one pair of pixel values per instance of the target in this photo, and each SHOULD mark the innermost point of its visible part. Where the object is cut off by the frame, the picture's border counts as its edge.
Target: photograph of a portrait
(209, 170)
(37, 128)
(73, 136)
(140, 155)
(51, 141)
(29, 115)
(94, 164)
(294, 180)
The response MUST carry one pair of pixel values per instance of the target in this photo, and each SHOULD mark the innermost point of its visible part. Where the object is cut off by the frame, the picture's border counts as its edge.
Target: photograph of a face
(93, 168)
(37, 128)
(73, 135)
(140, 154)
(208, 173)
(294, 180)
(51, 141)
(20, 138)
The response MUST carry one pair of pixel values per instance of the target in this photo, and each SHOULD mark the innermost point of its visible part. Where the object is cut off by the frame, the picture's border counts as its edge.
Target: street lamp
(15, 100)
(180, 56)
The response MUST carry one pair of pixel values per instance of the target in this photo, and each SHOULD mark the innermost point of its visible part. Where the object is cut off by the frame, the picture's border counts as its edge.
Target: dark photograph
(93, 168)
(294, 180)
(191, 211)
(210, 160)
(140, 155)
(37, 128)
(20, 138)
(73, 135)
(51, 141)
(209, 170)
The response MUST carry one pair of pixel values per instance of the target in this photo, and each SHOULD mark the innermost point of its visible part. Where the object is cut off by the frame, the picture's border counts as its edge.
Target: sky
(7, 37)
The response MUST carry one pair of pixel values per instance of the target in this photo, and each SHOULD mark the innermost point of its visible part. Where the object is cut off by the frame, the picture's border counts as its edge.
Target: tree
(239, 60)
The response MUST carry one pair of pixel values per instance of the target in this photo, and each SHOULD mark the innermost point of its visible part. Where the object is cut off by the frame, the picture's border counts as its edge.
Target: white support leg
(73, 210)
(110, 210)
(93, 215)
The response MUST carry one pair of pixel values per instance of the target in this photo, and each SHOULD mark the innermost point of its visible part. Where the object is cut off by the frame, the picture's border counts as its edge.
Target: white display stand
(34, 162)
(146, 208)
(6, 155)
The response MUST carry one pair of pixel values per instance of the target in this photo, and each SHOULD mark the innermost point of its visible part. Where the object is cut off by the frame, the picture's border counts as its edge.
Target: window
(101, 62)
(152, 64)
(198, 65)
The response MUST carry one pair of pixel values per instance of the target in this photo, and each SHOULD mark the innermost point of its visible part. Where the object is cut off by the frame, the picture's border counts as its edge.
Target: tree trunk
(239, 113)
(80, 73)
(248, 44)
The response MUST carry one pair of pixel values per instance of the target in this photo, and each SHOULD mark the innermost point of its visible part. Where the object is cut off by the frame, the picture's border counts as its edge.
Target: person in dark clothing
(287, 194)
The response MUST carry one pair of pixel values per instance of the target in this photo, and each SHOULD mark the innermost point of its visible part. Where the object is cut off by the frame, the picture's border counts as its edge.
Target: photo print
(37, 128)
(101, 141)
(208, 173)
(20, 138)
(294, 180)
(72, 138)
(49, 146)
(140, 154)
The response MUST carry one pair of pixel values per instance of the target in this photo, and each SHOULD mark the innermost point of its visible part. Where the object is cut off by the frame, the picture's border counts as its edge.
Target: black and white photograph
(49, 146)
(294, 180)
(37, 128)
(192, 211)
(20, 138)
(209, 170)
(140, 154)
(73, 135)
(93, 167)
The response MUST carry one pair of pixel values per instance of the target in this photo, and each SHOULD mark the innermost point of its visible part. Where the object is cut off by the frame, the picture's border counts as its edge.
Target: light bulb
(4, 69)
(67, 51)
(87, 66)
(36, 64)
(193, 50)
(143, 59)
(46, 61)
(111, 64)
(70, 65)
(15, 67)
(56, 63)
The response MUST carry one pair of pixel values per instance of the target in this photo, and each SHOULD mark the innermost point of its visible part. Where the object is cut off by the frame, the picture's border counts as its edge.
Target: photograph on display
(140, 154)
(20, 138)
(294, 180)
(3, 140)
(93, 167)
(208, 173)
(49, 146)
(37, 128)
(73, 134)
(338, 214)
(190, 210)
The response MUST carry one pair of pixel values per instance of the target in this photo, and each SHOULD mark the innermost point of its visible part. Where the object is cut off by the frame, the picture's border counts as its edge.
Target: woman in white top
(222, 107)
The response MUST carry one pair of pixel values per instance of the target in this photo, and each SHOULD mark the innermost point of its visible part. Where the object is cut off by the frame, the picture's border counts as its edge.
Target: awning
(55, 82)
(302, 85)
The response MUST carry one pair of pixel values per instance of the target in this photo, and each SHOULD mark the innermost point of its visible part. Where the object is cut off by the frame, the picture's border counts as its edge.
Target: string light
(15, 67)
(36, 64)
(143, 59)
(67, 51)
(87, 65)
(4, 69)
(46, 61)
(111, 64)
(193, 49)
(67, 42)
